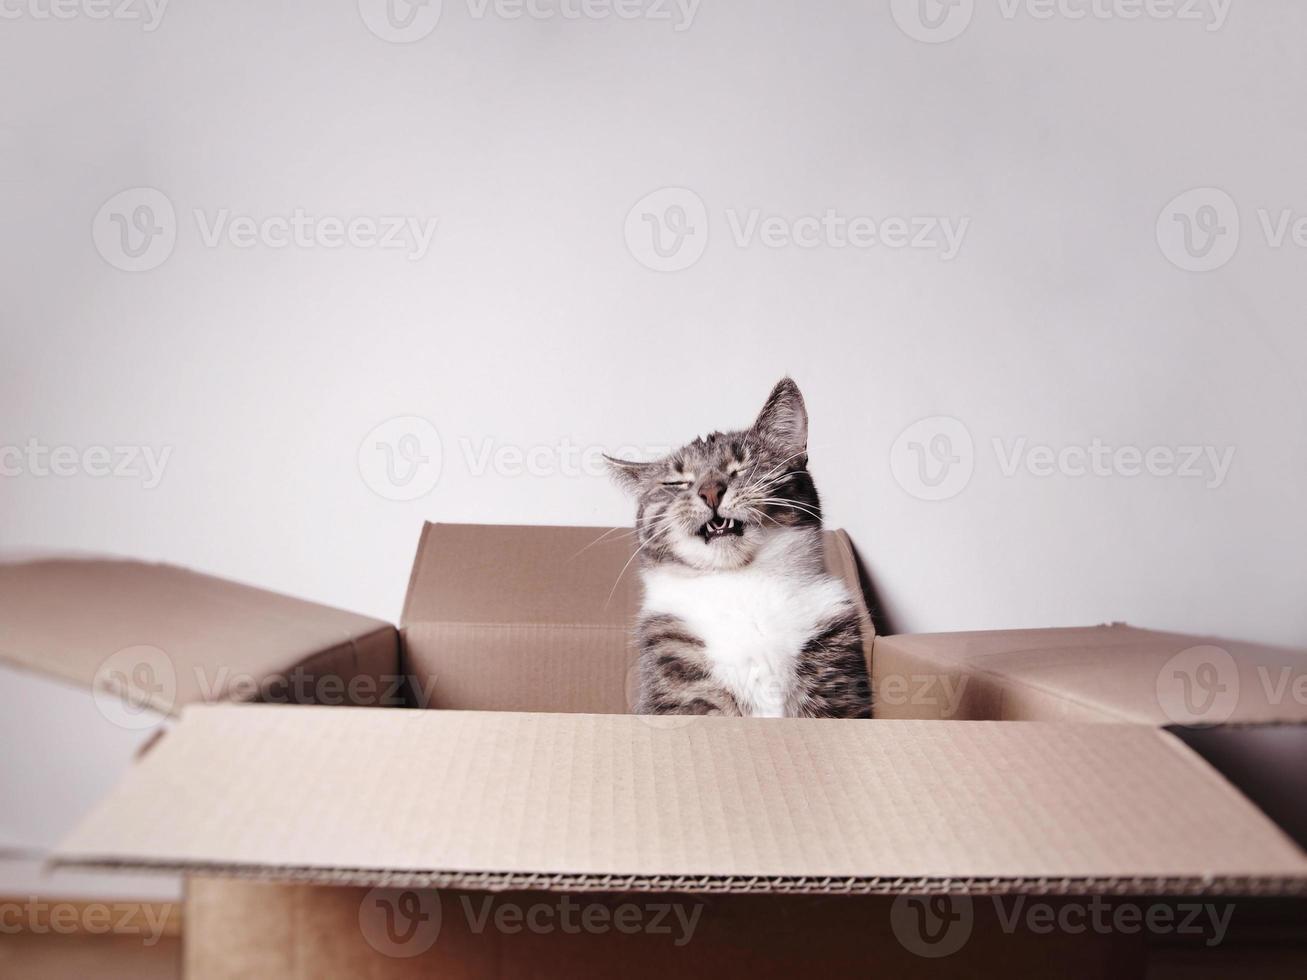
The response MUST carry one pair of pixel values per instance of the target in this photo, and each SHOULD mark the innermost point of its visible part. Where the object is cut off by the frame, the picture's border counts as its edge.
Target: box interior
(506, 618)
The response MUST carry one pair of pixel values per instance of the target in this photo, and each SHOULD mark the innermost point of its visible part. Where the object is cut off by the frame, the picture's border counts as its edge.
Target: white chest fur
(754, 622)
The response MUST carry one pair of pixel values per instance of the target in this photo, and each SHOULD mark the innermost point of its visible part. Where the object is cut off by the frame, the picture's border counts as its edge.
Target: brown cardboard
(1111, 673)
(305, 933)
(623, 803)
(537, 618)
(202, 638)
(786, 827)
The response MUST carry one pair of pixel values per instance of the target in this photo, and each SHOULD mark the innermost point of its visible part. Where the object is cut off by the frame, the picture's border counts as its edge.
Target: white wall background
(530, 322)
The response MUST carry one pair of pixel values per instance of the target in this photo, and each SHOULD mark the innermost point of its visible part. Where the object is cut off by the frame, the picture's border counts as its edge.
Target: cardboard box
(620, 802)
(1102, 673)
(97, 655)
(320, 841)
(407, 834)
(156, 637)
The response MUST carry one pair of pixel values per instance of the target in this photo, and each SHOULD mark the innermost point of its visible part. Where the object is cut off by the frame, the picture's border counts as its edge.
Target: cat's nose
(711, 493)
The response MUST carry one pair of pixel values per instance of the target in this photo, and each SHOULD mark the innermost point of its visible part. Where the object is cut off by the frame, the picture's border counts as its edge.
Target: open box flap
(1100, 673)
(530, 618)
(174, 636)
(567, 801)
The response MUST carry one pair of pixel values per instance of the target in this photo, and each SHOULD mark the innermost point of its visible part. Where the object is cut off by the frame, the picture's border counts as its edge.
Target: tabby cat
(739, 615)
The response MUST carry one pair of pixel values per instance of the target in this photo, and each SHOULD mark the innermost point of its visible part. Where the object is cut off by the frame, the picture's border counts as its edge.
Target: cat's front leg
(674, 672)
(831, 679)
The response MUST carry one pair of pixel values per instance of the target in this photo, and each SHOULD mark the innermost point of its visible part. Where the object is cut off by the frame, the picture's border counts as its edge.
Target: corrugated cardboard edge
(494, 881)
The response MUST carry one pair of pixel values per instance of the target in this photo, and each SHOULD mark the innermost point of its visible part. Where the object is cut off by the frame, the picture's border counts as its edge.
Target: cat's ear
(627, 474)
(783, 421)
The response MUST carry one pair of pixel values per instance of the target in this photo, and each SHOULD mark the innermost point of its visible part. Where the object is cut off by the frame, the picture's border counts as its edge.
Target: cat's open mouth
(720, 527)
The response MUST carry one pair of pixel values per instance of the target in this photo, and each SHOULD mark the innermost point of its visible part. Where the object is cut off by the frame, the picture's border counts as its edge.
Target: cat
(739, 615)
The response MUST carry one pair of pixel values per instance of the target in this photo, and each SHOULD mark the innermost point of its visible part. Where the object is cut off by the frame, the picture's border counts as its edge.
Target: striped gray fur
(735, 518)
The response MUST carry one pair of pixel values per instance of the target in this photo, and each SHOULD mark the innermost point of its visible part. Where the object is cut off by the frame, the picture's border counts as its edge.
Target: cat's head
(714, 503)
